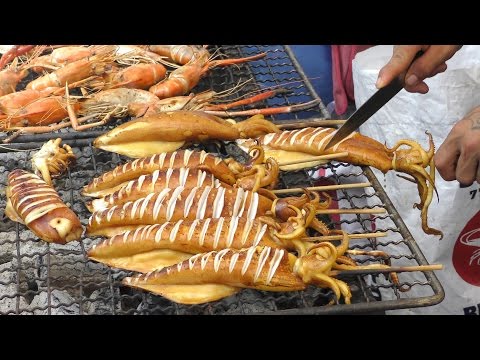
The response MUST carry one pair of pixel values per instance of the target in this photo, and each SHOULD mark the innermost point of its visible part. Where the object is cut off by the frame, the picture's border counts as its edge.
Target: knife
(370, 107)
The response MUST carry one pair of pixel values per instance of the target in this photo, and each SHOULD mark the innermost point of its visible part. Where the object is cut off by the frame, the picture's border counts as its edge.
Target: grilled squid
(255, 174)
(155, 183)
(218, 274)
(32, 202)
(186, 177)
(308, 142)
(151, 247)
(115, 179)
(169, 131)
(192, 204)
(52, 160)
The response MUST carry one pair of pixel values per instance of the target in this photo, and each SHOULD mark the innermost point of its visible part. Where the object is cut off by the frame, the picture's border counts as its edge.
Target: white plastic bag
(452, 95)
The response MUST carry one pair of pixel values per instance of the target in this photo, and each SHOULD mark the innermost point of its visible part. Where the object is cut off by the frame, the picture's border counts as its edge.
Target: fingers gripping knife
(370, 107)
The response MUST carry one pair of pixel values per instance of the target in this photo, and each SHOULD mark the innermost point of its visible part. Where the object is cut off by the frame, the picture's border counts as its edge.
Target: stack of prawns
(199, 228)
(115, 81)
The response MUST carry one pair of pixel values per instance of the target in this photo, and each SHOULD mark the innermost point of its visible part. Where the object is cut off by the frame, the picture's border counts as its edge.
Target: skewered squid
(307, 142)
(253, 180)
(32, 202)
(217, 274)
(151, 247)
(195, 203)
(113, 180)
(154, 183)
(250, 176)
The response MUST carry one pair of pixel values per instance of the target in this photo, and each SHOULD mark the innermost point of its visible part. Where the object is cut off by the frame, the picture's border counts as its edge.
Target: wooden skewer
(352, 211)
(323, 188)
(387, 270)
(340, 237)
(315, 158)
(309, 123)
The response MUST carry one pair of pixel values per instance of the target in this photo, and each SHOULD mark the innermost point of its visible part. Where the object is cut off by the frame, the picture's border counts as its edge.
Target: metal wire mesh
(41, 278)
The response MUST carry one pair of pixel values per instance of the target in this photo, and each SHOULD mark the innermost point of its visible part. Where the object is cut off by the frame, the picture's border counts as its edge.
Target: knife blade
(370, 107)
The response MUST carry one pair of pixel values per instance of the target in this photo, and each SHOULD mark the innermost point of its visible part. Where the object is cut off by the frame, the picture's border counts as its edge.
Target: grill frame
(122, 300)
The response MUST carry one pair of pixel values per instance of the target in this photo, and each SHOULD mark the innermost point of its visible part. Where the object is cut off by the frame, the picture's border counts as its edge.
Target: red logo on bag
(466, 253)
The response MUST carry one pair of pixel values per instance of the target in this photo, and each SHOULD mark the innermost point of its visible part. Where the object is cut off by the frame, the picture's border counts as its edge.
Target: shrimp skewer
(13, 74)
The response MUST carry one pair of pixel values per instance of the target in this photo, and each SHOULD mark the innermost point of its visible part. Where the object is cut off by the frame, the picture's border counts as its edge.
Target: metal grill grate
(41, 278)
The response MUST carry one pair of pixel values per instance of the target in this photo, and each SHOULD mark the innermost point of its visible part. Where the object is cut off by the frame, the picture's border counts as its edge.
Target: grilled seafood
(118, 102)
(32, 202)
(39, 113)
(62, 56)
(179, 54)
(11, 104)
(9, 79)
(139, 76)
(195, 203)
(151, 247)
(306, 142)
(52, 160)
(257, 177)
(15, 51)
(76, 70)
(185, 78)
(154, 183)
(34, 107)
(217, 274)
(166, 132)
(113, 180)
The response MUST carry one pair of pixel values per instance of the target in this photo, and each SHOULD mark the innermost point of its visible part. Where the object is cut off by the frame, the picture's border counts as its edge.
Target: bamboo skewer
(309, 123)
(352, 211)
(340, 237)
(315, 158)
(323, 188)
(387, 270)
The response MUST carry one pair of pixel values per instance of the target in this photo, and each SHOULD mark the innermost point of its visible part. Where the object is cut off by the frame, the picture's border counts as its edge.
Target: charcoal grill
(41, 278)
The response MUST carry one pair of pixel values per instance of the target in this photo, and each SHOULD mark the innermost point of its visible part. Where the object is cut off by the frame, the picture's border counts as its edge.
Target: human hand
(431, 63)
(459, 155)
